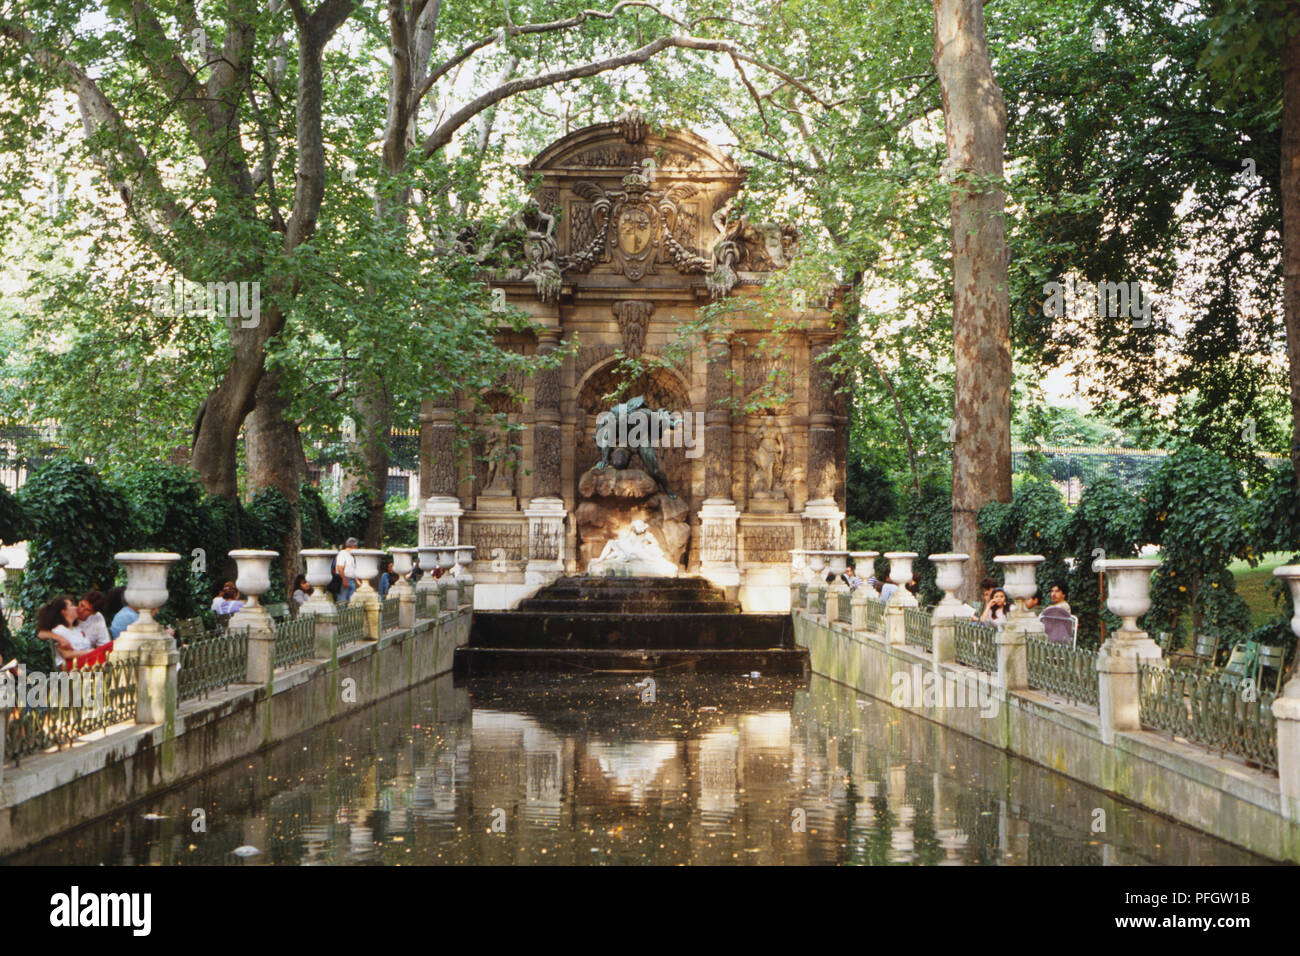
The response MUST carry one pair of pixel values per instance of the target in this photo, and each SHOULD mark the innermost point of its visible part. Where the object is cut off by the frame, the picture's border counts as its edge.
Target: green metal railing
(295, 640)
(819, 600)
(211, 661)
(351, 625)
(1220, 713)
(918, 628)
(875, 615)
(844, 607)
(423, 602)
(973, 645)
(1065, 671)
(77, 703)
(389, 615)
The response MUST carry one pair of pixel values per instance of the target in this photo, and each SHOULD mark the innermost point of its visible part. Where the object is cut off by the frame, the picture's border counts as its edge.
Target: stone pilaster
(1118, 681)
(822, 438)
(547, 481)
(717, 420)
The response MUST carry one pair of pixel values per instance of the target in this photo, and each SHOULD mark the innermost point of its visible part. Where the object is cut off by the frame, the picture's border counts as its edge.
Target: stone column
(1011, 640)
(862, 562)
(319, 606)
(944, 619)
(900, 572)
(145, 642)
(1128, 587)
(427, 583)
(403, 563)
(822, 466)
(546, 423)
(718, 513)
(1286, 711)
(253, 580)
(822, 519)
(440, 515)
(545, 512)
(367, 561)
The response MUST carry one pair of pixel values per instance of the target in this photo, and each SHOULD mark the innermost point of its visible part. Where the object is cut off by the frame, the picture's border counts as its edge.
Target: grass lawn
(1252, 584)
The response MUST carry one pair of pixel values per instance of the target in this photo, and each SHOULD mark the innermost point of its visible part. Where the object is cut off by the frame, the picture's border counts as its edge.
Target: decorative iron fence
(295, 640)
(875, 615)
(213, 660)
(1210, 710)
(844, 606)
(351, 625)
(423, 602)
(1065, 671)
(918, 629)
(973, 645)
(76, 703)
(819, 600)
(389, 615)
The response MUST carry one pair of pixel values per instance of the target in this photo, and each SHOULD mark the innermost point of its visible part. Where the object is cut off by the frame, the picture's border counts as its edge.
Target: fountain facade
(631, 232)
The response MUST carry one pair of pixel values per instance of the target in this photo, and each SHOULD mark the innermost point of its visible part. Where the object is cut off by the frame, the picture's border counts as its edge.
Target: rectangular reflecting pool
(615, 769)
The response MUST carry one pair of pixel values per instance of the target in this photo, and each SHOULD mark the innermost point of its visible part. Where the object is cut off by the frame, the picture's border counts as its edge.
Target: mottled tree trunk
(273, 445)
(975, 125)
(1291, 226)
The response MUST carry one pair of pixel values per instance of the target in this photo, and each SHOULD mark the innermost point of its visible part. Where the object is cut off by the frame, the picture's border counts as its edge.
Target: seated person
(56, 622)
(227, 602)
(851, 578)
(90, 611)
(995, 612)
(1058, 595)
(124, 618)
(301, 590)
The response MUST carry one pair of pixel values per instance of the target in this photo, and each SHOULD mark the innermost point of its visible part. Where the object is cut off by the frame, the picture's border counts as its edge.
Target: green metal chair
(278, 612)
(1243, 662)
(1271, 657)
(1206, 649)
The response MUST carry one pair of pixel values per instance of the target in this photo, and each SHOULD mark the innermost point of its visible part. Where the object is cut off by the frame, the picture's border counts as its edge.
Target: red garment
(96, 656)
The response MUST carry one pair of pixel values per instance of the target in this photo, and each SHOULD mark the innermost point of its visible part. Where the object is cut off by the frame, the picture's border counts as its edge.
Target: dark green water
(582, 770)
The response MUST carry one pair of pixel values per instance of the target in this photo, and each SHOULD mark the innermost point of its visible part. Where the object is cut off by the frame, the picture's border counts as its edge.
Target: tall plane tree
(975, 124)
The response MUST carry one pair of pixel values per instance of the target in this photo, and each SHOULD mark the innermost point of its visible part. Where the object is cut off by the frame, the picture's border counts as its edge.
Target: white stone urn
(900, 573)
(816, 580)
(949, 575)
(838, 563)
(900, 566)
(254, 576)
(320, 568)
(864, 557)
(447, 583)
(403, 564)
(367, 562)
(1019, 580)
(146, 591)
(1128, 588)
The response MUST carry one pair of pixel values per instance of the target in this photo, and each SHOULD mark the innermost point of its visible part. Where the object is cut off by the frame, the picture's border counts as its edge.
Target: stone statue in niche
(496, 450)
(630, 427)
(768, 460)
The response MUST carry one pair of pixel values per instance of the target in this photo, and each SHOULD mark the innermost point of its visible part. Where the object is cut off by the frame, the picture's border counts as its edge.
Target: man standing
(345, 566)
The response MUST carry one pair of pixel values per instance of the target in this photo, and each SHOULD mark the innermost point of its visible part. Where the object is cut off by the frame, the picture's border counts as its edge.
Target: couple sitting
(76, 630)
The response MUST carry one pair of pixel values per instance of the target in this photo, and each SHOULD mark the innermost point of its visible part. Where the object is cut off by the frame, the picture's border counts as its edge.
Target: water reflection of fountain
(634, 766)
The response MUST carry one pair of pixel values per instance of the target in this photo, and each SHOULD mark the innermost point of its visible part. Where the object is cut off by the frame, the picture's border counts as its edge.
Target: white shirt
(346, 565)
(96, 630)
(887, 591)
(76, 638)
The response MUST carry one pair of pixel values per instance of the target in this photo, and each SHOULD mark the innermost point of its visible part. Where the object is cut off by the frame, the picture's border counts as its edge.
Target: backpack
(335, 585)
